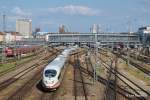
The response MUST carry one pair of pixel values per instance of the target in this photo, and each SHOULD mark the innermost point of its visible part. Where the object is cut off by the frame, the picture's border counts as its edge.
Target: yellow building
(1, 36)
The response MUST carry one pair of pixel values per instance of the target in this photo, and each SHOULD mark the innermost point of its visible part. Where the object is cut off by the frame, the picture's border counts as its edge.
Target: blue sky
(77, 15)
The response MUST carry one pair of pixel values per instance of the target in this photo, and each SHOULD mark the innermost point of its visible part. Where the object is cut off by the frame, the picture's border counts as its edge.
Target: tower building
(24, 27)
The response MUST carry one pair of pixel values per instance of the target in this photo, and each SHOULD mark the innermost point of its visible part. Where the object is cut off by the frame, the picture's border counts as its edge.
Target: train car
(54, 71)
(18, 50)
(9, 52)
(118, 46)
(66, 52)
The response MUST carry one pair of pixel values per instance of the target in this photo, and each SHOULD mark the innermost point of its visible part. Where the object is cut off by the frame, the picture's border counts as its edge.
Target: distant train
(18, 50)
(118, 46)
(53, 73)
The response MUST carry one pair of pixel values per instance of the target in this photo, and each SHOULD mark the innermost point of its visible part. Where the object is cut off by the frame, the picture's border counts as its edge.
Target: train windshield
(50, 73)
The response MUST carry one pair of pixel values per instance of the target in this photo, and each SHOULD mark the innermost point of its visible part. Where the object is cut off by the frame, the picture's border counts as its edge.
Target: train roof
(57, 63)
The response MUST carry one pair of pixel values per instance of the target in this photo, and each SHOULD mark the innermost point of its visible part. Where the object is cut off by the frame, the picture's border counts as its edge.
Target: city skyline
(77, 15)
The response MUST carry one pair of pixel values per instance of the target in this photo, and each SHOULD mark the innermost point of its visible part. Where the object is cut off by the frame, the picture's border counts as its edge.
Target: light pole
(96, 52)
(4, 40)
(128, 51)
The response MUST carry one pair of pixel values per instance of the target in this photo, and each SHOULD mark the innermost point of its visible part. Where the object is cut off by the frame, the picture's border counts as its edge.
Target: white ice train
(54, 71)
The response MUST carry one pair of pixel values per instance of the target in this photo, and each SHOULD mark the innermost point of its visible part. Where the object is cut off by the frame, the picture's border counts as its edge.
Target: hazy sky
(77, 15)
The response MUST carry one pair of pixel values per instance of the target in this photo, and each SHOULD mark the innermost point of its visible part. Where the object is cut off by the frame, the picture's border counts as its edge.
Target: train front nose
(51, 84)
(50, 79)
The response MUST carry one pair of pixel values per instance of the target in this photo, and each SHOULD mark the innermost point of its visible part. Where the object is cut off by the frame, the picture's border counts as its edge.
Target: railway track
(50, 95)
(22, 91)
(40, 55)
(16, 77)
(110, 90)
(21, 64)
(100, 79)
(120, 76)
(23, 72)
(136, 65)
(104, 81)
(79, 86)
(116, 87)
(109, 93)
(88, 64)
(139, 57)
(13, 59)
(33, 89)
(47, 96)
(26, 89)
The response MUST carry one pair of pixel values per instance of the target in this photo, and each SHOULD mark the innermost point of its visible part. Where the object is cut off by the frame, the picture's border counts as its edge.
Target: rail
(78, 75)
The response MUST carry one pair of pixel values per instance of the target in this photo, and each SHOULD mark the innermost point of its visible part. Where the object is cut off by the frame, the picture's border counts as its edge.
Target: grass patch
(136, 73)
(24, 60)
(4, 67)
(12, 65)
(99, 70)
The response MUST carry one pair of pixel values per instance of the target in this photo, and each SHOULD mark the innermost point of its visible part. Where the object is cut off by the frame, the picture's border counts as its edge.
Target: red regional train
(14, 51)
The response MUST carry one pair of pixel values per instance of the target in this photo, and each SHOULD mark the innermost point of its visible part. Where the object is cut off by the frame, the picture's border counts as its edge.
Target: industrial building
(95, 28)
(144, 33)
(62, 29)
(24, 27)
